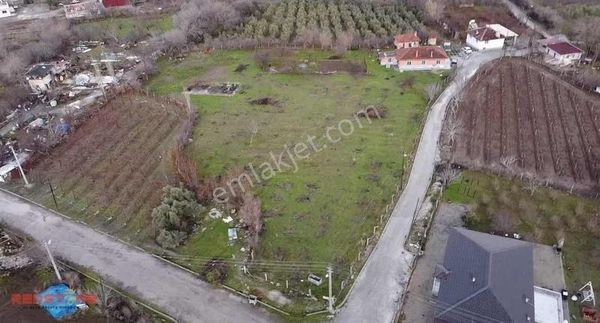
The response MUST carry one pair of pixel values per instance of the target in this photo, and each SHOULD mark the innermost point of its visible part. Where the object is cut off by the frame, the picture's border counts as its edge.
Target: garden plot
(111, 170)
(518, 118)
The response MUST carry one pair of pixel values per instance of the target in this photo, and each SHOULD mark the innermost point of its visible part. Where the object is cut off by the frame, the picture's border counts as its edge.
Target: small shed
(10, 170)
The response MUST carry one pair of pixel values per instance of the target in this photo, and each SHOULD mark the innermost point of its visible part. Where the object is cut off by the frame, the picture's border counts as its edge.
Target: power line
(274, 264)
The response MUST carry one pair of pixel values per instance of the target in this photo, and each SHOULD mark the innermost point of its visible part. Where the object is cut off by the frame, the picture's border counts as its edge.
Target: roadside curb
(149, 307)
(140, 249)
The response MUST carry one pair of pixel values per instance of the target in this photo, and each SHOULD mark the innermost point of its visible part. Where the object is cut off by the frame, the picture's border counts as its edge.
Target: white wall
(6, 10)
(483, 45)
(562, 59)
(445, 65)
(388, 61)
(40, 85)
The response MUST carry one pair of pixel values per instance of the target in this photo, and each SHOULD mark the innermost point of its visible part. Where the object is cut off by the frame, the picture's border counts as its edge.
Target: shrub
(170, 239)
(215, 271)
(176, 216)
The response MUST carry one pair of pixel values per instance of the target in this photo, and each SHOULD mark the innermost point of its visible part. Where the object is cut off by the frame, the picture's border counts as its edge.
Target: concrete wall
(483, 45)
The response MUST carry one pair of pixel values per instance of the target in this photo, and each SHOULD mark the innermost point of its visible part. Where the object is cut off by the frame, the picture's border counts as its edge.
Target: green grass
(499, 204)
(323, 210)
(122, 26)
(211, 242)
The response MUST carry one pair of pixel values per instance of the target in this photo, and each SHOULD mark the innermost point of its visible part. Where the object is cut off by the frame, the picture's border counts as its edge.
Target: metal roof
(490, 279)
(39, 71)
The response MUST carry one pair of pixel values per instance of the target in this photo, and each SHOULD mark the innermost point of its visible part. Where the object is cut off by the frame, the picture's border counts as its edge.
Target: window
(423, 62)
(4, 11)
(408, 63)
(438, 62)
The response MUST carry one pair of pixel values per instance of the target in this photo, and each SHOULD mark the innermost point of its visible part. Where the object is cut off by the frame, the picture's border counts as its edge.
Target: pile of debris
(226, 88)
(371, 111)
(11, 257)
(265, 101)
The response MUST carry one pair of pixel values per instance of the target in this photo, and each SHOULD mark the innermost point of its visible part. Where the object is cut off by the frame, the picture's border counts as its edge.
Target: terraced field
(110, 171)
(518, 118)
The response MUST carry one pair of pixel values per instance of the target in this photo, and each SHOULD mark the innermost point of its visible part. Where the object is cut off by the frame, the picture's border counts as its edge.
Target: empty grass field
(322, 210)
(120, 27)
(544, 216)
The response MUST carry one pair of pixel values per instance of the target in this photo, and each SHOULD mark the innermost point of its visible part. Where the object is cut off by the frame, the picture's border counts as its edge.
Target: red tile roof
(483, 34)
(405, 38)
(115, 3)
(423, 52)
(564, 48)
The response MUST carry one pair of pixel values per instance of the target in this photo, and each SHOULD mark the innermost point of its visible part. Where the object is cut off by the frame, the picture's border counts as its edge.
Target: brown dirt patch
(116, 162)
(520, 119)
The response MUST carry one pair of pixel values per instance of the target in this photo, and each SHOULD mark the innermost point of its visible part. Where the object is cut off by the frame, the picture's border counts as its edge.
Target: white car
(467, 50)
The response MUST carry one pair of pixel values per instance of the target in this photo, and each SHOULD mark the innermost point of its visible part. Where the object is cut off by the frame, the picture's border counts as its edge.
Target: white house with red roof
(560, 51)
(492, 36)
(411, 56)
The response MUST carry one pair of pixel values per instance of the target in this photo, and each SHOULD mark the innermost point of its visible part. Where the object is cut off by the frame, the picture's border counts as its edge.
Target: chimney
(431, 54)
(417, 53)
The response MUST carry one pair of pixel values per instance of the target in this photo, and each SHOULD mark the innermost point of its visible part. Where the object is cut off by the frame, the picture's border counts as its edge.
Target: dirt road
(175, 291)
(376, 295)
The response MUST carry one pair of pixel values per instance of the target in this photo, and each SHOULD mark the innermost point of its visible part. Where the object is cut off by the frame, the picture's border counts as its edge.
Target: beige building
(40, 78)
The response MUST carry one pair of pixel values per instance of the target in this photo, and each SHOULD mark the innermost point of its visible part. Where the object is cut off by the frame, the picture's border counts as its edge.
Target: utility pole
(331, 299)
(53, 196)
(46, 244)
(19, 165)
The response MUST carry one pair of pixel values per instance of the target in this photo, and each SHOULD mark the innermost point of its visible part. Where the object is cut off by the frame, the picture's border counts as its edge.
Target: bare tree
(343, 42)
(453, 129)
(434, 9)
(174, 41)
(587, 29)
(251, 217)
(325, 39)
(448, 175)
(530, 184)
(199, 18)
(309, 37)
(432, 91)
(253, 130)
(508, 161)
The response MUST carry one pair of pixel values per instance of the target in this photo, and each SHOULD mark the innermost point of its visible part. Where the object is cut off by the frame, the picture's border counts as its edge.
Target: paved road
(524, 19)
(173, 290)
(375, 296)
